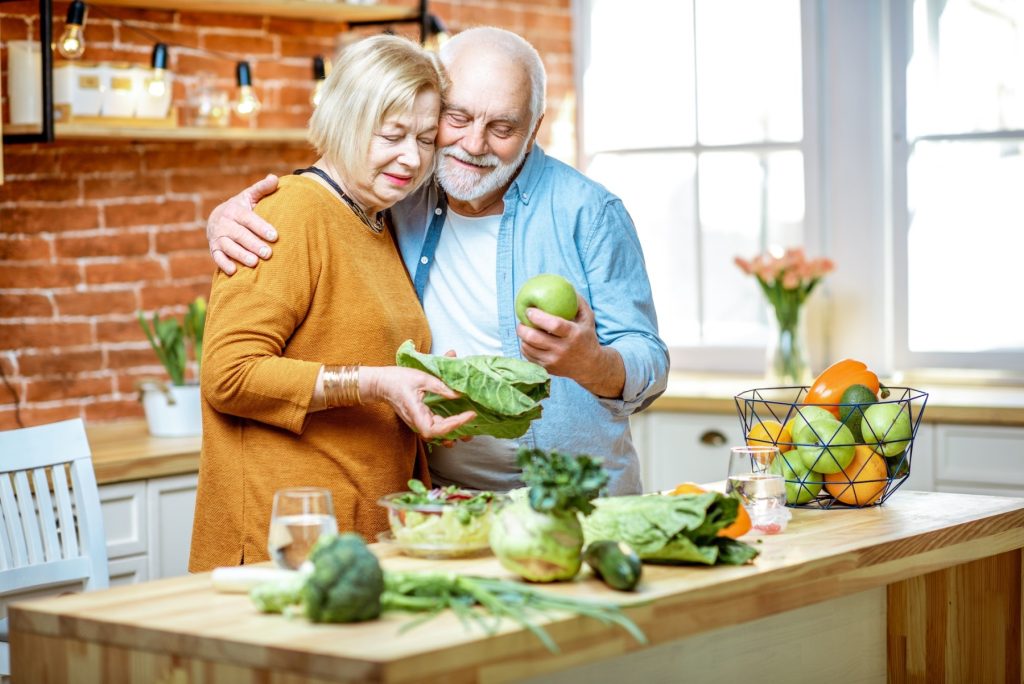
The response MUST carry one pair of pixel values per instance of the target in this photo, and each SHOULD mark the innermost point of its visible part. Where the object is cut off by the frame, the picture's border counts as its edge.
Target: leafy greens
(505, 393)
(671, 529)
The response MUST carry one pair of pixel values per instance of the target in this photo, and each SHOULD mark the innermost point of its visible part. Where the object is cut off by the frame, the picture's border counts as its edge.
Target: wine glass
(299, 516)
(761, 491)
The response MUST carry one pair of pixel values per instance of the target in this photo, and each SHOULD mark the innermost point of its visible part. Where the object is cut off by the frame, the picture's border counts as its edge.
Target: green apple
(825, 445)
(804, 415)
(548, 292)
(886, 426)
(802, 485)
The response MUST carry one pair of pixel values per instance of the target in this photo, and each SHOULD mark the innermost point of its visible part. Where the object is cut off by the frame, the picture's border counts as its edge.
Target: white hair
(512, 46)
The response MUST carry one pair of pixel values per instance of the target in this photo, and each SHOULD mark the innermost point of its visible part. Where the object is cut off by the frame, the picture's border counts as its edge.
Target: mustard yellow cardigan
(333, 293)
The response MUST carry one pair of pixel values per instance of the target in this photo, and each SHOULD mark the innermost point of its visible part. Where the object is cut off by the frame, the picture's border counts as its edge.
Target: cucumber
(615, 563)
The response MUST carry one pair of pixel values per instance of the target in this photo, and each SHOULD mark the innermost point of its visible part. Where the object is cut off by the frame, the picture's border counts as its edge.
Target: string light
(247, 103)
(319, 76)
(72, 42)
(157, 82)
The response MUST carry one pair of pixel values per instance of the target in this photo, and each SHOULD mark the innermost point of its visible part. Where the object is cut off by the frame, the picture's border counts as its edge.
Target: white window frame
(855, 151)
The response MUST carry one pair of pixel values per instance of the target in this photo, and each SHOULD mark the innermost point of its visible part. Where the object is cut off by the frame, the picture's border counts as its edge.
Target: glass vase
(786, 354)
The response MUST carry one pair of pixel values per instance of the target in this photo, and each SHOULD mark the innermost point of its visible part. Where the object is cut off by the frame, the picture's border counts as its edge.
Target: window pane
(658, 191)
(965, 244)
(966, 72)
(638, 85)
(749, 83)
(749, 203)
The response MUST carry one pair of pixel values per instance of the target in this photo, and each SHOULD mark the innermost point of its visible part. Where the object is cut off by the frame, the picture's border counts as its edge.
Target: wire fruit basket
(835, 455)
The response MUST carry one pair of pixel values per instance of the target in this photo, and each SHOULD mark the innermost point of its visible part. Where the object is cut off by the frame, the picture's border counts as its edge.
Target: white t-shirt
(460, 301)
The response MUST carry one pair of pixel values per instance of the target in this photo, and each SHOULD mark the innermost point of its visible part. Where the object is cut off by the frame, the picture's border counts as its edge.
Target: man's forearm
(606, 376)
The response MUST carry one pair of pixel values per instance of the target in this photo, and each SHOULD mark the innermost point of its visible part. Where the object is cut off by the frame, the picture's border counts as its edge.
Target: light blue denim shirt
(556, 220)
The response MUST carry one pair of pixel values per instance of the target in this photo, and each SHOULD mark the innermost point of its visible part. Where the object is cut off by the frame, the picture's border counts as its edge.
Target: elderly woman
(298, 376)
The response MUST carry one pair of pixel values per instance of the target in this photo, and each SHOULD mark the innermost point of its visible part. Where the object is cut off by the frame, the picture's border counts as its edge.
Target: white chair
(51, 532)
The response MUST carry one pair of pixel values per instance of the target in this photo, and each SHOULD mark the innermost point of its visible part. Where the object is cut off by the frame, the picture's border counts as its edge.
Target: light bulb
(72, 42)
(319, 74)
(247, 103)
(157, 83)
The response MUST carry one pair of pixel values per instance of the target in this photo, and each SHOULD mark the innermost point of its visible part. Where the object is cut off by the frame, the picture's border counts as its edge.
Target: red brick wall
(90, 232)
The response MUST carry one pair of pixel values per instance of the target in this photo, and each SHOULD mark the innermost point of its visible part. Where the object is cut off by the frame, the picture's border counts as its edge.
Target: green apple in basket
(825, 445)
(802, 484)
(886, 426)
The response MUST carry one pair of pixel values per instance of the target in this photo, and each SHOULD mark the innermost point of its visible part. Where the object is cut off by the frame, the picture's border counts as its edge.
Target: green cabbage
(539, 547)
(671, 529)
(505, 393)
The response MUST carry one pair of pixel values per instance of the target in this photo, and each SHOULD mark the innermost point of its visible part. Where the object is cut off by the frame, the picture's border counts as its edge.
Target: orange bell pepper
(737, 529)
(827, 389)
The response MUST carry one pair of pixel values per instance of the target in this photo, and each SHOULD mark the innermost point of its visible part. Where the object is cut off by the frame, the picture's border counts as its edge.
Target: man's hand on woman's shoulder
(234, 230)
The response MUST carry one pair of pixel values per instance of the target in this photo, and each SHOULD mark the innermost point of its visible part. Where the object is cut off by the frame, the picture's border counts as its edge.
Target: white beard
(467, 185)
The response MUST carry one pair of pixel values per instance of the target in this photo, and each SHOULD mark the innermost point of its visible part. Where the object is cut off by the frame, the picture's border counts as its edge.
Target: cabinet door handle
(712, 438)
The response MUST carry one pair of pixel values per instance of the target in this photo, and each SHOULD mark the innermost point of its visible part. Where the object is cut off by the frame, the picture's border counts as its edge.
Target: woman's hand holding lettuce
(505, 393)
(671, 529)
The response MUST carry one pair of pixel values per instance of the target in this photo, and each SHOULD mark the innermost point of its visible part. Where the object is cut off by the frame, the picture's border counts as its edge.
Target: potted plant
(173, 410)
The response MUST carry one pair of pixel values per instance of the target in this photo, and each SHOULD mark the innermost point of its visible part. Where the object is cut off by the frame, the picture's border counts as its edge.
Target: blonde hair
(372, 80)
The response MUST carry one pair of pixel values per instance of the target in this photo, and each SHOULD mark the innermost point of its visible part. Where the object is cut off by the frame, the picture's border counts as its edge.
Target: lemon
(770, 433)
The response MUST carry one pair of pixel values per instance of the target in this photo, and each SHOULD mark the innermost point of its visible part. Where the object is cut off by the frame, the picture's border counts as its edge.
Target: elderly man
(501, 212)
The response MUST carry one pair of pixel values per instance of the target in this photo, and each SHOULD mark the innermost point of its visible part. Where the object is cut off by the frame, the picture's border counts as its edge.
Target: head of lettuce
(505, 393)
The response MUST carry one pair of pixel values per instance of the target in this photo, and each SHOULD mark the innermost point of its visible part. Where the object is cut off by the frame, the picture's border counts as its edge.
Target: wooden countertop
(823, 555)
(970, 404)
(125, 451)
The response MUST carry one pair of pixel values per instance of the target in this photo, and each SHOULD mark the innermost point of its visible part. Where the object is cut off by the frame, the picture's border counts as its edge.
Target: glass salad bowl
(443, 522)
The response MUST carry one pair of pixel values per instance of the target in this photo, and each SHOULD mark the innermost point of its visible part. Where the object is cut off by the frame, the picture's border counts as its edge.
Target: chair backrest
(51, 530)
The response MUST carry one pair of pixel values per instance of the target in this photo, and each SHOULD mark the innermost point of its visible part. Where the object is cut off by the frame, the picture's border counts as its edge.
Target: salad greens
(445, 521)
(464, 504)
(671, 529)
(505, 393)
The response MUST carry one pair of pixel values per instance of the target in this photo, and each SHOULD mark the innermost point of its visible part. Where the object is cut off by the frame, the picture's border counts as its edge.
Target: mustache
(489, 160)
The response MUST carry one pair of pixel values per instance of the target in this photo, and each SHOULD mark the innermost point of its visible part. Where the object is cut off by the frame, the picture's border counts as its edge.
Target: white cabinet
(683, 447)
(148, 525)
(979, 460)
(171, 502)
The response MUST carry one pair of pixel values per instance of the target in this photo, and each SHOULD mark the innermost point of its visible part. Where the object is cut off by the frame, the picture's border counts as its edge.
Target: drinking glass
(762, 492)
(299, 516)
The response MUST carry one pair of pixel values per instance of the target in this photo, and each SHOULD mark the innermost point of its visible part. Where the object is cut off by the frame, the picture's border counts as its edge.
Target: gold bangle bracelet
(341, 386)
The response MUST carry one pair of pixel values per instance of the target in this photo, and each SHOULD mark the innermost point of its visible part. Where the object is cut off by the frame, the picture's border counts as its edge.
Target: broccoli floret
(346, 582)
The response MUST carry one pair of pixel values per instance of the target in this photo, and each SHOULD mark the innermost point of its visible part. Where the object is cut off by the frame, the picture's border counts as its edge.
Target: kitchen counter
(925, 588)
(124, 450)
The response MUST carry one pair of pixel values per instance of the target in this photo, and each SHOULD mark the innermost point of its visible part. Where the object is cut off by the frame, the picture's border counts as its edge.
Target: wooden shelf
(71, 131)
(322, 10)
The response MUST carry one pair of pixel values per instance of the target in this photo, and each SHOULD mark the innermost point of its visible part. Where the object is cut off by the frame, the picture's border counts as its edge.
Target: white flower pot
(171, 410)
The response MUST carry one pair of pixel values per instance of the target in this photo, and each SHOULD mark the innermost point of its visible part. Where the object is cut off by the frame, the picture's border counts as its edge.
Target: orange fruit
(861, 482)
(688, 488)
(738, 528)
(770, 433)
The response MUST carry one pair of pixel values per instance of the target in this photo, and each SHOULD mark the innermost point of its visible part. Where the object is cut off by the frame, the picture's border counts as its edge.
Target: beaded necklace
(377, 225)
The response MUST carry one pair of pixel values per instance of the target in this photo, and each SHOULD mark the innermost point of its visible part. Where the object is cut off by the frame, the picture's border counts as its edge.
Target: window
(695, 120)
(963, 226)
(885, 134)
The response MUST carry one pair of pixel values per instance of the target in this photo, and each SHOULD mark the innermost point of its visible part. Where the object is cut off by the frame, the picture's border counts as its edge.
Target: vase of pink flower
(786, 282)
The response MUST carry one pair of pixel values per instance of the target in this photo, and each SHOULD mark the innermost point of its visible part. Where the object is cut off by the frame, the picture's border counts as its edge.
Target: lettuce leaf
(505, 393)
(670, 529)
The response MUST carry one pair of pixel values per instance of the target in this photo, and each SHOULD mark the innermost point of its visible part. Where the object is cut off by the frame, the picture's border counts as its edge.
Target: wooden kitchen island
(925, 588)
